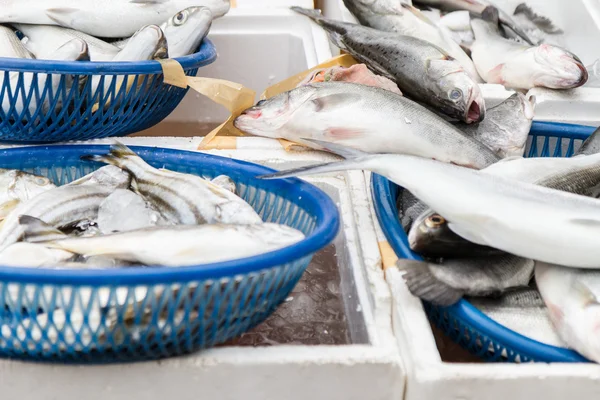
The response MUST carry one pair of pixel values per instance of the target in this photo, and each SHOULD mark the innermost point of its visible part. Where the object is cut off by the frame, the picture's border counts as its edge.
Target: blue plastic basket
(51, 101)
(147, 313)
(462, 322)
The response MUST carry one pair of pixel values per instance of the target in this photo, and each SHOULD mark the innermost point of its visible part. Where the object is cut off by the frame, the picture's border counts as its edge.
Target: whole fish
(489, 210)
(478, 8)
(124, 211)
(184, 31)
(65, 205)
(572, 297)
(111, 18)
(181, 198)
(421, 70)
(365, 118)
(174, 245)
(506, 126)
(18, 186)
(519, 66)
(406, 20)
(431, 236)
(43, 40)
(445, 283)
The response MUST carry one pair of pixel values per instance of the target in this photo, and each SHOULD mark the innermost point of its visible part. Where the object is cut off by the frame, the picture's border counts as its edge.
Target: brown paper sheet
(388, 256)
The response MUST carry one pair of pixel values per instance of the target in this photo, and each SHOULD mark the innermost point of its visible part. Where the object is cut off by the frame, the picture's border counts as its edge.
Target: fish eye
(435, 221)
(41, 181)
(180, 18)
(455, 94)
(261, 102)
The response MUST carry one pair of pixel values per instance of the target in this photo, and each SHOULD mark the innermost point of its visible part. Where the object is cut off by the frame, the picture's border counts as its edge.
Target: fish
(32, 255)
(110, 19)
(506, 126)
(431, 236)
(184, 31)
(357, 73)
(181, 198)
(226, 183)
(445, 283)
(526, 297)
(520, 66)
(43, 40)
(457, 21)
(125, 210)
(404, 19)
(571, 295)
(411, 209)
(18, 186)
(479, 8)
(65, 205)
(421, 70)
(364, 118)
(538, 21)
(502, 213)
(172, 246)
(591, 145)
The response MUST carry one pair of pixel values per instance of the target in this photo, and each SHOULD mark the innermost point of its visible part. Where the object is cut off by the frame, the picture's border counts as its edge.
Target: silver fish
(526, 297)
(422, 71)
(519, 66)
(364, 118)
(489, 210)
(591, 145)
(445, 283)
(226, 183)
(43, 40)
(181, 198)
(32, 255)
(18, 186)
(173, 245)
(124, 211)
(65, 205)
(572, 297)
(506, 126)
(111, 18)
(184, 31)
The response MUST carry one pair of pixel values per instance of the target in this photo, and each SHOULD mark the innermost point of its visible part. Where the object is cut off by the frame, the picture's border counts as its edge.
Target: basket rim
(314, 200)
(385, 208)
(206, 54)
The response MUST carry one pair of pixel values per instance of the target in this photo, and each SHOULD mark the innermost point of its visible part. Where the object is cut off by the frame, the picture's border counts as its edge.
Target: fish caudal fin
(118, 151)
(335, 29)
(424, 285)
(37, 230)
(313, 14)
(543, 23)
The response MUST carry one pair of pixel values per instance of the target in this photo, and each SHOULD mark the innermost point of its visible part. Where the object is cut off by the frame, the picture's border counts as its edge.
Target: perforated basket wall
(144, 313)
(51, 101)
(462, 322)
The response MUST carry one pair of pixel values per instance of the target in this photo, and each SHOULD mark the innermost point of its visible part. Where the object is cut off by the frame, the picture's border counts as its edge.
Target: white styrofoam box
(274, 3)
(256, 47)
(370, 368)
(578, 106)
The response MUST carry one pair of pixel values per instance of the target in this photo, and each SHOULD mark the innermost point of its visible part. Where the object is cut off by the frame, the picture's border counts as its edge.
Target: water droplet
(408, 121)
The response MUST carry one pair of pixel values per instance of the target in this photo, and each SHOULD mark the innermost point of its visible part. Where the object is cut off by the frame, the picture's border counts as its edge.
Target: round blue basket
(462, 322)
(45, 101)
(131, 314)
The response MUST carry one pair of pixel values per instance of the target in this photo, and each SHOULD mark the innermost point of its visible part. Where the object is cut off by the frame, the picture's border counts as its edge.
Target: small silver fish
(181, 198)
(171, 245)
(446, 283)
(18, 186)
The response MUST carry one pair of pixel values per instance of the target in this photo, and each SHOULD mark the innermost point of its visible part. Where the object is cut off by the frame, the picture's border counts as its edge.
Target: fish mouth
(584, 73)
(475, 107)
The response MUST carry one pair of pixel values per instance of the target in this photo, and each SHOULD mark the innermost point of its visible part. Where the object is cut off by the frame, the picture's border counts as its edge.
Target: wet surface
(313, 314)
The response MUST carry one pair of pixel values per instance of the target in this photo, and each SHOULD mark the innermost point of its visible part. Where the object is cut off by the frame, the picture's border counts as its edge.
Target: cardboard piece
(388, 256)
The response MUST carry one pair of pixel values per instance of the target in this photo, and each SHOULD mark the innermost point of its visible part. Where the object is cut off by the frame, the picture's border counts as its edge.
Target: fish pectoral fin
(37, 230)
(333, 101)
(495, 75)
(424, 285)
(62, 16)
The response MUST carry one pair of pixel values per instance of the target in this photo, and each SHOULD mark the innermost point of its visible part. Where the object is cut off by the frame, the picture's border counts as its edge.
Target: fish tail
(314, 14)
(118, 152)
(37, 230)
(333, 27)
(424, 285)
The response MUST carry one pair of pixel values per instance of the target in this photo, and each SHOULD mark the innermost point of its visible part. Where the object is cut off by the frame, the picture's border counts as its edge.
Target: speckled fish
(43, 40)
(520, 66)
(489, 210)
(173, 245)
(573, 298)
(109, 18)
(181, 198)
(364, 118)
(184, 31)
(506, 126)
(421, 70)
(398, 17)
(66, 205)
(18, 186)
(445, 283)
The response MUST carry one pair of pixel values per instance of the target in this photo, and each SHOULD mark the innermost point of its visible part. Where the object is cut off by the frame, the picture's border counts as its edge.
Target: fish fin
(332, 101)
(314, 14)
(7, 207)
(117, 151)
(543, 23)
(415, 11)
(315, 169)
(518, 31)
(495, 75)
(584, 294)
(340, 133)
(490, 14)
(340, 150)
(424, 285)
(37, 230)
(60, 15)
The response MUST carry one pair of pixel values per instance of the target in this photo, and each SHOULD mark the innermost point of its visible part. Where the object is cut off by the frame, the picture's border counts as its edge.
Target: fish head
(27, 186)
(149, 42)
(269, 116)
(517, 104)
(558, 68)
(427, 228)
(73, 50)
(186, 29)
(457, 92)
